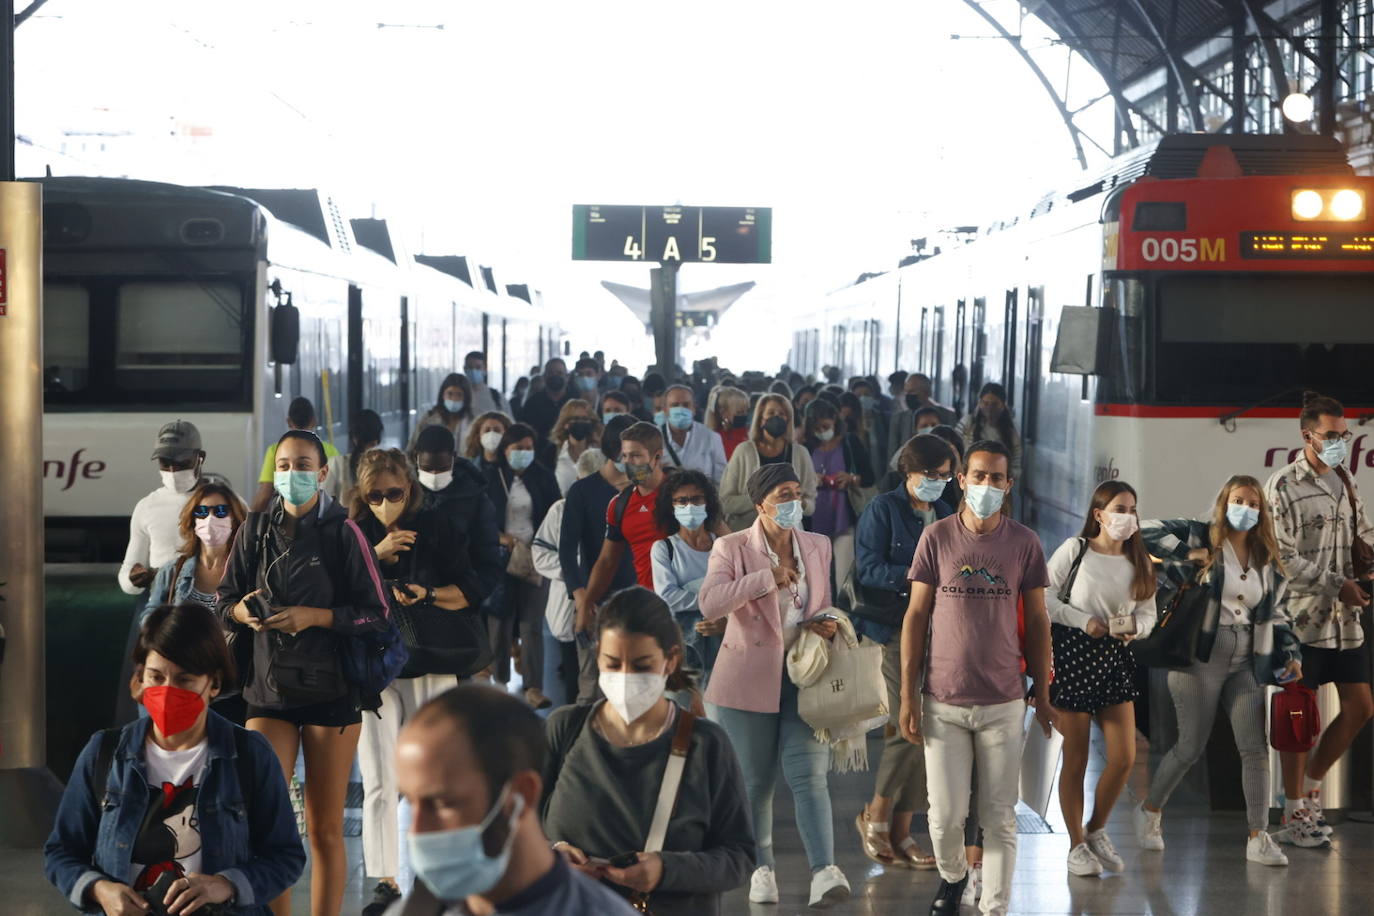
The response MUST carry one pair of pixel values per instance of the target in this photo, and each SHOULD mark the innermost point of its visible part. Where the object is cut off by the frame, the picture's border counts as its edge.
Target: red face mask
(173, 709)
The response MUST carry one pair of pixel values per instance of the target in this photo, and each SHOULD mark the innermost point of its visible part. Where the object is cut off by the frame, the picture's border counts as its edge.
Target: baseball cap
(177, 439)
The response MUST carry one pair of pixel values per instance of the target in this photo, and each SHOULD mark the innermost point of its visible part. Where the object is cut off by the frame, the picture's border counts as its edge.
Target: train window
(179, 336)
(1237, 339)
(1160, 216)
(66, 337)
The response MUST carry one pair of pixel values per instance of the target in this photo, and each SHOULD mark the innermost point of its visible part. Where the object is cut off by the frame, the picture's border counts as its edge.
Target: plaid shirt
(1315, 529)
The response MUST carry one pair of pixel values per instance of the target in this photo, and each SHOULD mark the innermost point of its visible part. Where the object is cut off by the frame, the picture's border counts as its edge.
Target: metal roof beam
(1171, 59)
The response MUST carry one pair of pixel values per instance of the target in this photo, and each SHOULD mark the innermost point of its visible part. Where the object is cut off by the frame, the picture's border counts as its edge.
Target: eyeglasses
(1334, 436)
(932, 475)
(391, 495)
(689, 500)
(221, 511)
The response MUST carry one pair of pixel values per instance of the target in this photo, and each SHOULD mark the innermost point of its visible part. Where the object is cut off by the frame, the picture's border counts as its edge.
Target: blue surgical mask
(925, 430)
(453, 863)
(690, 517)
(660, 418)
(868, 401)
(608, 417)
(521, 458)
(296, 487)
(825, 435)
(984, 499)
(476, 376)
(453, 406)
(929, 489)
(1241, 518)
(788, 514)
(680, 417)
(619, 466)
(586, 382)
(1334, 452)
(613, 382)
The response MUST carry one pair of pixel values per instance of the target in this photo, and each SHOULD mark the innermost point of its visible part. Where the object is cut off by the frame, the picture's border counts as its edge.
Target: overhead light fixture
(1297, 107)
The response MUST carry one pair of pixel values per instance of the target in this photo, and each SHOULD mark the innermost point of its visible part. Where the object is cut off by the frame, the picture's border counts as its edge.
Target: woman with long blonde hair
(575, 431)
(1244, 642)
(770, 441)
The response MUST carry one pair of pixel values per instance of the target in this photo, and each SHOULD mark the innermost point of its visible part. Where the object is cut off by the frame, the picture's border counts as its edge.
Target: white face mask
(491, 440)
(1119, 525)
(435, 481)
(632, 695)
(179, 481)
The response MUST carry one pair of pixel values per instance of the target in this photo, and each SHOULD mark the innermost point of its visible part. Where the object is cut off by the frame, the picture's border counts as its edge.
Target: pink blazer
(739, 584)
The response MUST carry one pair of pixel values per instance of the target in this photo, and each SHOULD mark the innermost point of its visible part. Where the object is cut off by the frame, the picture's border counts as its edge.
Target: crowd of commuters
(634, 560)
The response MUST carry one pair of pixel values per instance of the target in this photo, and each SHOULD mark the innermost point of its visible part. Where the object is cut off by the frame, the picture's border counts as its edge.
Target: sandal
(909, 855)
(873, 836)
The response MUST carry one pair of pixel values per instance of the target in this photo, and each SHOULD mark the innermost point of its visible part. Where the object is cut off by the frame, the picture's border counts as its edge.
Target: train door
(1009, 330)
(978, 346)
(1035, 319)
(356, 361)
(938, 353)
(959, 374)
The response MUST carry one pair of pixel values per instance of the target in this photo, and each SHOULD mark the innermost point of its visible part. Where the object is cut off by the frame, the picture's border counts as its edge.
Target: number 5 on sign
(632, 249)
(708, 248)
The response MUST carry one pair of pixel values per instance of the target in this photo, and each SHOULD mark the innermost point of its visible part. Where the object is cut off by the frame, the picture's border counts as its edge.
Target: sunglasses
(392, 495)
(220, 511)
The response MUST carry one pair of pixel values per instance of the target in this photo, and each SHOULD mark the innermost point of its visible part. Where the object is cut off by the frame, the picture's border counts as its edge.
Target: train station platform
(1203, 870)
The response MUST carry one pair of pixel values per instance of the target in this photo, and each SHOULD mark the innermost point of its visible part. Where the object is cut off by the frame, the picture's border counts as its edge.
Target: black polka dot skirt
(1090, 674)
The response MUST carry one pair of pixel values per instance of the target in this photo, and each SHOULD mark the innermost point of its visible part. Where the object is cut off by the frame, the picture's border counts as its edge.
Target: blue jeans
(699, 652)
(761, 741)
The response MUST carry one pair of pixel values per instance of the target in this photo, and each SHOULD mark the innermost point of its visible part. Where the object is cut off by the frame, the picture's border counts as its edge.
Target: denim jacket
(248, 834)
(165, 591)
(884, 544)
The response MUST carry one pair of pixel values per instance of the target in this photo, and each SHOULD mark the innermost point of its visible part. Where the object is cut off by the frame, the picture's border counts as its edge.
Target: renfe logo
(67, 470)
(1281, 455)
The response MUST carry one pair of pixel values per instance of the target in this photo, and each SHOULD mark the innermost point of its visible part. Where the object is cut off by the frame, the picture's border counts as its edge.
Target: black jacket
(438, 557)
(324, 566)
(539, 480)
(465, 503)
(540, 411)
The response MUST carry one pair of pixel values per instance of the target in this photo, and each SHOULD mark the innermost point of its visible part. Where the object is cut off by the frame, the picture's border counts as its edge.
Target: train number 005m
(1185, 250)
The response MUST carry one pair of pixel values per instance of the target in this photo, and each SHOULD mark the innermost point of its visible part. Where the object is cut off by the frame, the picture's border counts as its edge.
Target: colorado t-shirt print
(973, 655)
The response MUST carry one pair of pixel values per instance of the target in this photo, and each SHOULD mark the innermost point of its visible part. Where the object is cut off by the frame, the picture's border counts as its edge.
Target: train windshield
(1225, 340)
(155, 341)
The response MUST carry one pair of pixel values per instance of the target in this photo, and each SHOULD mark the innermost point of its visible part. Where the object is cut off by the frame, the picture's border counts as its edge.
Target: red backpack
(1294, 721)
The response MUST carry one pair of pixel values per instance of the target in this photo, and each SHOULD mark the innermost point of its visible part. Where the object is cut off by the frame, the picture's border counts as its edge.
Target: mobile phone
(258, 606)
(820, 617)
(1282, 676)
(1122, 625)
(625, 860)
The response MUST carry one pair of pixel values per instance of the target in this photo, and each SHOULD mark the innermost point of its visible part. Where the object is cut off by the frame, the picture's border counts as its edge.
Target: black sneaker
(383, 896)
(947, 898)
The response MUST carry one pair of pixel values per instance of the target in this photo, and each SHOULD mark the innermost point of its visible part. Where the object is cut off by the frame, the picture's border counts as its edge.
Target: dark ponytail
(636, 611)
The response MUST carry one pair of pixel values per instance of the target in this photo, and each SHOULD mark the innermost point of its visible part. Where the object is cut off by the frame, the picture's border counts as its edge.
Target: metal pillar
(1239, 70)
(663, 316)
(7, 94)
(28, 792)
(1330, 29)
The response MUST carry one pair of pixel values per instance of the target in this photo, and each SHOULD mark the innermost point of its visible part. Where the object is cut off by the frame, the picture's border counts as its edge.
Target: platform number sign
(722, 235)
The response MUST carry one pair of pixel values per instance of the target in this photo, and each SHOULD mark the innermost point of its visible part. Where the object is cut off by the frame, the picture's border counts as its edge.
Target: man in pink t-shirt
(963, 694)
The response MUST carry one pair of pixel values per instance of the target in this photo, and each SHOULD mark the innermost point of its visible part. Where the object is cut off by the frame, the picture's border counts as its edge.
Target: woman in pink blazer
(770, 580)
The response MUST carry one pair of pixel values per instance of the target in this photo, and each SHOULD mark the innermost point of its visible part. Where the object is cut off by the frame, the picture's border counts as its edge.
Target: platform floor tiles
(1203, 871)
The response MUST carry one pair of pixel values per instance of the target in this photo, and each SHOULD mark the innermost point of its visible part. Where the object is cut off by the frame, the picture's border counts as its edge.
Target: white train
(1191, 291)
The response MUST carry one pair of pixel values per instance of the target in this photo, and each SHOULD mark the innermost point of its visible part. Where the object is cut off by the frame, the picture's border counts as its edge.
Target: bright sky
(862, 125)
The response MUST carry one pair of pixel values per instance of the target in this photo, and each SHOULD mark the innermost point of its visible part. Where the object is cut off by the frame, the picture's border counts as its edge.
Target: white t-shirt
(169, 836)
(1244, 588)
(519, 511)
(1102, 589)
(792, 601)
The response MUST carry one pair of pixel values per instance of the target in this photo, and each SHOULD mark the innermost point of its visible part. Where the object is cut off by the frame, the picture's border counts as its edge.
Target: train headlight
(1347, 204)
(1307, 205)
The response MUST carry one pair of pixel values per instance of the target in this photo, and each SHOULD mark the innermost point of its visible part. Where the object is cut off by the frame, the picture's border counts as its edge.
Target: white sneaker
(1148, 831)
(1101, 846)
(1083, 863)
(763, 887)
(974, 889)
(1302, 831)
(828, 887)
(1261, 848)
(1314, 808)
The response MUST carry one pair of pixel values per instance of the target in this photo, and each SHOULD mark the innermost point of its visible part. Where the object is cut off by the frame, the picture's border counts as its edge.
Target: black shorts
(1335, 666)
(338, 713)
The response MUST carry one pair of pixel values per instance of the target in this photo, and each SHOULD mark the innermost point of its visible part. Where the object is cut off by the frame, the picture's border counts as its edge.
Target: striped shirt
(1315, 528)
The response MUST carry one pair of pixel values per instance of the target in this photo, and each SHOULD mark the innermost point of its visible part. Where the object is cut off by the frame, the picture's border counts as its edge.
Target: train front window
(66, 337)
(179, 336)
(1236, 340)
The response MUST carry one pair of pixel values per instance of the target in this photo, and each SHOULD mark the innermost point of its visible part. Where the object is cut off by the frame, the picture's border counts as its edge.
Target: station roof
(1127, 39)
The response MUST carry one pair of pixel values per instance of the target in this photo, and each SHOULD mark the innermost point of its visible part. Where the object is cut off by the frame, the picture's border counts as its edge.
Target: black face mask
(740, 422)
(555, 383)
(913, 401)
(580, 429)
(775, 427)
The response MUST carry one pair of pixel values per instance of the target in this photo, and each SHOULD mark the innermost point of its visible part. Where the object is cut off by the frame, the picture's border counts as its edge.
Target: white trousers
(377, 760)
(956, 736)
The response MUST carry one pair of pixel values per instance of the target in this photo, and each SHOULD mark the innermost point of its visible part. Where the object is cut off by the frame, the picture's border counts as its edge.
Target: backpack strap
(622, 505)
(104, 760)
(1067, 590)
(668, 443)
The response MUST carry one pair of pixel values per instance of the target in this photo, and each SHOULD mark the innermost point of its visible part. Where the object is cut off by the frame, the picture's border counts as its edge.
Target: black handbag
(876, 604)
(303, 674)
(442, 641)
(1173, 641)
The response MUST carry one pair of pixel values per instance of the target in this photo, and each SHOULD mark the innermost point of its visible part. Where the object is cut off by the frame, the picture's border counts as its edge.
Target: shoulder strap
(1067, 590)
(1350, 495)
(622, 505)
(668, 443)
(176, 575)
(672, 781)
(672, 554)
(104, 759)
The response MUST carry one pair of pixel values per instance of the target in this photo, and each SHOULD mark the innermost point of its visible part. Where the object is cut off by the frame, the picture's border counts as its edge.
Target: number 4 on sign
(632, 250)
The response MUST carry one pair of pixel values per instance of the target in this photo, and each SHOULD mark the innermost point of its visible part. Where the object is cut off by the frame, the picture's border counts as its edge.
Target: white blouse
(519, 512)
(1244, 589)
(792, 600)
